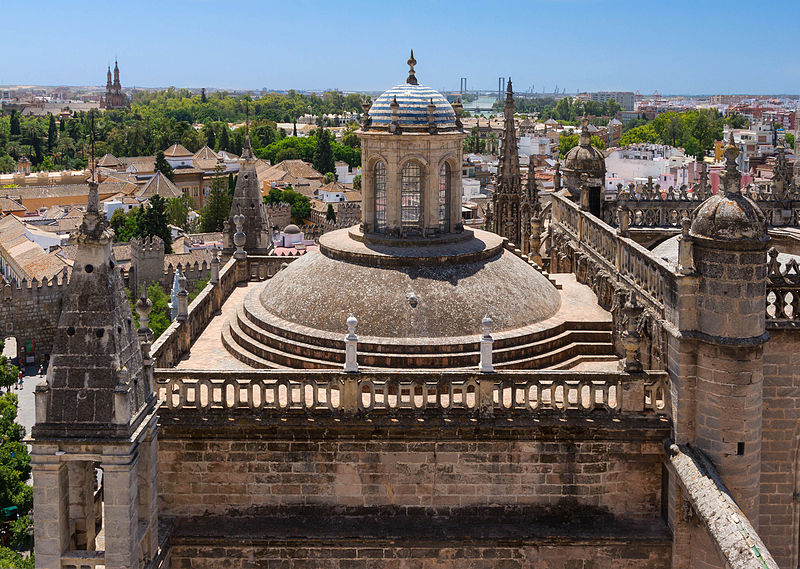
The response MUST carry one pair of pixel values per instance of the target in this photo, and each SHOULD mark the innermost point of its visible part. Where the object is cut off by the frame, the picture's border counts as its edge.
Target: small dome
(729, 218)
(729, 215)
(412, 101)
(291, 229)
(585, 157)
(412, 111)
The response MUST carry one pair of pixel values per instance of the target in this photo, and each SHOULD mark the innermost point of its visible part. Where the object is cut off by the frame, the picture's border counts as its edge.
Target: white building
(667, 165)
(470, 188)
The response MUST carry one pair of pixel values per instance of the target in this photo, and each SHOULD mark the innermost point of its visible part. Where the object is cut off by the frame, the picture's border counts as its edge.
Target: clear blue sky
(675, 46)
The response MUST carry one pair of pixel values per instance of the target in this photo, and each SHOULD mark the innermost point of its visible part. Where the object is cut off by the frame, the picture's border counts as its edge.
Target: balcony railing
(517, 393)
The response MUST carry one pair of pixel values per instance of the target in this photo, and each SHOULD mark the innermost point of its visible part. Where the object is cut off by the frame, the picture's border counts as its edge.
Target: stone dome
(729, 217)
(435, 297)
(291, 229)
(413, 101)
(585, 158)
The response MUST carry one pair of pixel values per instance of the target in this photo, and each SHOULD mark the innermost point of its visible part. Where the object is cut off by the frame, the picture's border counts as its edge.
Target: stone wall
(443, 555)
(199, 473)
(30, 312)
(280, 215)
(382, 492)
(779, 513)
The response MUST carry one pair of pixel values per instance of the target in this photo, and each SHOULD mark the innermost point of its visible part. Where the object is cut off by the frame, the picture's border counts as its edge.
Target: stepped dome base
(417, 306)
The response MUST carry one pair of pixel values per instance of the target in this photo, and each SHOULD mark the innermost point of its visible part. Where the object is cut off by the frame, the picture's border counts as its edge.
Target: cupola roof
(413, 101)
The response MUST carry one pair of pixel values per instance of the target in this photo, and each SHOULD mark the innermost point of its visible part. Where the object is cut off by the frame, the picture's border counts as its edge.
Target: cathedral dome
(413, 101)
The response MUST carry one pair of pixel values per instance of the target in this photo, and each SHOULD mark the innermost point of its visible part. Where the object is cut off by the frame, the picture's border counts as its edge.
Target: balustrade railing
(620, 255)
(416, 392)
(650, 206)
(176, 339)
(783, 290)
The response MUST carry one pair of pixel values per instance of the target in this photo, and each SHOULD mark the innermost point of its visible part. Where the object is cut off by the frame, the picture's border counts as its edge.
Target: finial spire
(412, 78)
(585, 138)
(247, 149)
(732, 179)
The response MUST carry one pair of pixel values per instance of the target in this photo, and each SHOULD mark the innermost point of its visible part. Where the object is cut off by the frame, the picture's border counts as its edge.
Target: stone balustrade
(651, 278)
(512, 393)
(783, 291)
(650, 206)
(177, 338)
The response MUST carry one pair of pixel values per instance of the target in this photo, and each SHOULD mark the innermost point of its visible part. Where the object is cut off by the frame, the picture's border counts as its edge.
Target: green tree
(350, 138)
(300, 204)
(8, 373)
(178, 210)
(735, 120)
(329, 177)
(160, 314)
(224, 138)
(14, 124)
(211, 138)
(323, 155)
(10, 559)
(153, 221)
(203, 96)
(15, 469)
(217, 207)
(568, 142)
(125, 225)
(638, 135)
(357, 182)
(789, 140)
(330, 215)
(52, 134)
(161, 165)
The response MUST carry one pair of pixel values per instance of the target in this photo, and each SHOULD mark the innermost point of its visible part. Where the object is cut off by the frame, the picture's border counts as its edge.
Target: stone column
(50, 506)
(393, 183)
(430, 198)
(120, 499)
(147, 474)
(367, 188)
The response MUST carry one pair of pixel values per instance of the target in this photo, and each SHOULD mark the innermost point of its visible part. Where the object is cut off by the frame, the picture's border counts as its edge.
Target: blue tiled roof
(413, 110)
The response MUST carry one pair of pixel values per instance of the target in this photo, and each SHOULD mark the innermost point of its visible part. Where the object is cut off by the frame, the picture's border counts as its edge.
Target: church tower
(94, 442)
(510, 204)
(115, 98)
(248, 202)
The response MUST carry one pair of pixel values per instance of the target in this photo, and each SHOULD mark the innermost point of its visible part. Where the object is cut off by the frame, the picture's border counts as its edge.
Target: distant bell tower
(115, 98)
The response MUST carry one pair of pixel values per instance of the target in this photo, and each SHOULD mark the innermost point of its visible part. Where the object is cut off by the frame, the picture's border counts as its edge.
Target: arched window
(380, 197)
(444, 198)
(411, 197)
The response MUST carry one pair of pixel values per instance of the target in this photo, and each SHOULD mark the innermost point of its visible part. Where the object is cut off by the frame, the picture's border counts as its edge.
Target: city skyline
(586, 45)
